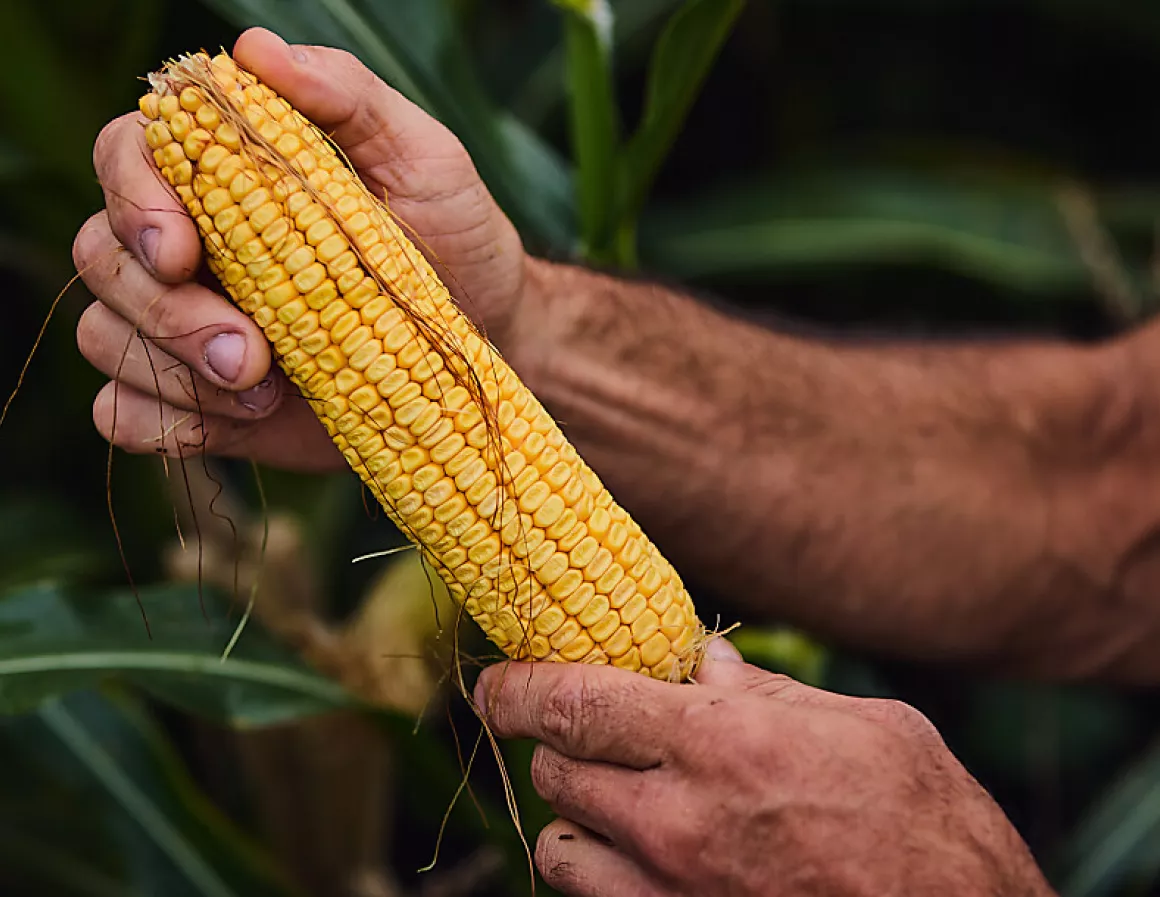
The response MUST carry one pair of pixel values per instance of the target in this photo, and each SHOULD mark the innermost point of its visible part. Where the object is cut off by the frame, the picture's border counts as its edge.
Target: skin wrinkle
(796, 830)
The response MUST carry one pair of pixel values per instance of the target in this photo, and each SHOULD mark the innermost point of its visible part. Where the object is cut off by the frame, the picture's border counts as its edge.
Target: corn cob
(458, 451)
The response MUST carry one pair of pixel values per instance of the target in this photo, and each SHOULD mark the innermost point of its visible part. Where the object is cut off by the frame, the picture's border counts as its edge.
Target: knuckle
(164, 317)
(102, 413)
(85, 243)
(772, 685)
(439, 170)
(546, 772)
(88, 328)
(107, 145)
(568, 709)
(554, 777)
(344, 59)
(904, 719)
(102, 146)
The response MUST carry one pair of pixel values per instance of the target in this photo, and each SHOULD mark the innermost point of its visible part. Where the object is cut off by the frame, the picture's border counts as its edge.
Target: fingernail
(721, 649)
(224, 354)
(260, 397)
(147, 242)
(299, 55)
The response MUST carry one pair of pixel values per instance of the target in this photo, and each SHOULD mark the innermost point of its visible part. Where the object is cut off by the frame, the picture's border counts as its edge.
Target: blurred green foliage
(911, 165)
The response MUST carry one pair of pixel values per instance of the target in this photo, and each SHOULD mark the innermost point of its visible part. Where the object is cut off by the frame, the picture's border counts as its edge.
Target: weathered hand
(141, 257)
(747, 784)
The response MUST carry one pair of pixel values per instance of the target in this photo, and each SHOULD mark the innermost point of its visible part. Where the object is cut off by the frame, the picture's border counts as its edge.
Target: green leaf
(1117, 843)
(683, 56)
(415, 46)
(540, 87)
(783, 651)
(53, 641)
(47, 538)
(105, 754)
(1023, 730)
(27, 44)
(595, 130)
(992, 228)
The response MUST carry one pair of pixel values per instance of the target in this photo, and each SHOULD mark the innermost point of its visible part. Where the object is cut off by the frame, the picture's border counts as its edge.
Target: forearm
(984, 502)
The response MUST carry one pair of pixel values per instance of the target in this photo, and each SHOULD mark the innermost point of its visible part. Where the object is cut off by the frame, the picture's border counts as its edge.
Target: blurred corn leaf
(47, 538)
(28, 43)
(54, 640)
(1000, 231)
(783, 650)
(1063, 729)
(681, 60)
(105, 755)
(1115, 849)
(595, 126)
(614, 180)
(415, 46)
(538, 87)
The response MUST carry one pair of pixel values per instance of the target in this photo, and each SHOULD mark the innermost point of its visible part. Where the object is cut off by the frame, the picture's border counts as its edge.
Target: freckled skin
(982, 503)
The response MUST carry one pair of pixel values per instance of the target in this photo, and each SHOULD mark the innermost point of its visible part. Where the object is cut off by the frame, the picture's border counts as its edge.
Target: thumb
(375, 125)
(723, 667)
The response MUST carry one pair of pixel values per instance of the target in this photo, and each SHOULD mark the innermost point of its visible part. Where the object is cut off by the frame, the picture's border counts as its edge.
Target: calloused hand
(747, 784)
(210, 365)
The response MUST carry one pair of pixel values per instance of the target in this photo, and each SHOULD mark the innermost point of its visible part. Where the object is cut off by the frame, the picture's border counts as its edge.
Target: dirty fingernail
(721, 649)
(147, 242)
(225, 354)
(260, 397)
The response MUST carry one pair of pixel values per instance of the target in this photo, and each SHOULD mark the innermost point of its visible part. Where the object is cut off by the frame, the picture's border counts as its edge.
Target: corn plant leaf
(54, 640)
(27, 44)
(414, 45)
(154, 831)
(595, 129)
(783, 650)
(1115, 848)
(46, 538)
(532, 84)
(1063, 730)
(1006, 233)
(682, 58)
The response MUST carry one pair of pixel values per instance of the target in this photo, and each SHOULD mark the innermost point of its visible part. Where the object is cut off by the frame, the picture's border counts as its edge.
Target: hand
(747, 784)
(206, 360)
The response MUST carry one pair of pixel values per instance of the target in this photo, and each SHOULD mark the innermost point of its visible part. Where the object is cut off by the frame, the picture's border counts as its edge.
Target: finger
(382, 132)
(578, 863)
(587, 712)
(111, 345)
(720, 671)
(400, 151)
(190, 322)
(140, 423)
(144, 212)
(603, 797)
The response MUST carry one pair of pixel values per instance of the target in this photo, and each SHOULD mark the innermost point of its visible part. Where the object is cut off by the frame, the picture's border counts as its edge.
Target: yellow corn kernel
(440, 429)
